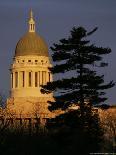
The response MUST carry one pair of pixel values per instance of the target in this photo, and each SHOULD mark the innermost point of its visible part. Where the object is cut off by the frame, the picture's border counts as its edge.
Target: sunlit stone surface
(29, 71)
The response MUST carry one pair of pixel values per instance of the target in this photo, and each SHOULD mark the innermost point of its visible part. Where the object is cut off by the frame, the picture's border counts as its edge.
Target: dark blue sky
(54, 20)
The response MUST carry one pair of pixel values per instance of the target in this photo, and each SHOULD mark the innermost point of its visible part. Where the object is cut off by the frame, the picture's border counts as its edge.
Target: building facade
(29, 71)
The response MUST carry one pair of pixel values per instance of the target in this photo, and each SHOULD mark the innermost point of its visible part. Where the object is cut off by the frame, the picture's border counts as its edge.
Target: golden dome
(31, 44)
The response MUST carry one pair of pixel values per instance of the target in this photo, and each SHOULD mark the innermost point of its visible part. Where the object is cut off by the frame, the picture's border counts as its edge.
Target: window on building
(23, 60)
(31, 26)
(16, 79)
(30, 78)
(29, 60)
(36, 60)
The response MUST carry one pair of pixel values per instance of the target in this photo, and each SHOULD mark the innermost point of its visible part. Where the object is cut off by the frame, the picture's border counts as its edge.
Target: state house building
(29, 70)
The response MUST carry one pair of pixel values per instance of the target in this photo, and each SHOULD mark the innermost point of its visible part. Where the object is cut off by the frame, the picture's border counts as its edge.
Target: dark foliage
(74, 138)
(78, 132)
(76, 53)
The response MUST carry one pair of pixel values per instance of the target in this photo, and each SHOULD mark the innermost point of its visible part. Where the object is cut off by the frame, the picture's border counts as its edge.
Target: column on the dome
(51, 77)
(38, 78)
(26, 79)
(33, 79)
(34, 27)
(43, 77)
(22, 79)
(20, 82)
(47, 80)
(17, 79)
(11, 80)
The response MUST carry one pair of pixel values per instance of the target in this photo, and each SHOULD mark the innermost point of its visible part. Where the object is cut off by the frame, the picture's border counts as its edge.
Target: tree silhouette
(86, 88)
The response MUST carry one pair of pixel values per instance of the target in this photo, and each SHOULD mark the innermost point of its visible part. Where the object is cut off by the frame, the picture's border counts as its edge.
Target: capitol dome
(28, 72)
(31, 44)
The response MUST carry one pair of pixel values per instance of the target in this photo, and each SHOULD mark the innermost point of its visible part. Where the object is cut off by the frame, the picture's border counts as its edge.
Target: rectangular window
(31, 26)
(36, 79)
(30, 77)
(16, 79)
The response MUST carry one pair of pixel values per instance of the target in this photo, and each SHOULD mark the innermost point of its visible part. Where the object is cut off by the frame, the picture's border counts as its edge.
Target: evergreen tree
(87, 88)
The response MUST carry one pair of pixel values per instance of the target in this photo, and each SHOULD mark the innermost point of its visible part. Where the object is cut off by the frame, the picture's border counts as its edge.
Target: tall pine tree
(86, 88)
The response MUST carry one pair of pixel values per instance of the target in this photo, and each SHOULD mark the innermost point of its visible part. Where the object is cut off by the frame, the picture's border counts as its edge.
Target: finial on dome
(31, 13)
(31, 22)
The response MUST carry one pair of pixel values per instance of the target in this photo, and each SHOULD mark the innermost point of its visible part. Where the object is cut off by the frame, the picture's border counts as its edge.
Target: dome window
(36, 60)
(29, 60)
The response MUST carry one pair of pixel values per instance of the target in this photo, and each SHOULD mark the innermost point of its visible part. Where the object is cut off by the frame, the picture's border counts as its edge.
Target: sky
(54, 20)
